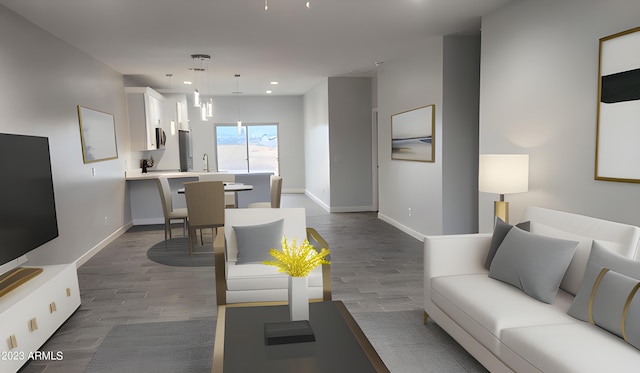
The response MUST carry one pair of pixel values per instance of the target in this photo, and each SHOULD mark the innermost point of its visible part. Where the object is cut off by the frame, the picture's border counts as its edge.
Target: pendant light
(209, 104)
(238, 93)
(210, 108)
(198, 68)
(173, 122)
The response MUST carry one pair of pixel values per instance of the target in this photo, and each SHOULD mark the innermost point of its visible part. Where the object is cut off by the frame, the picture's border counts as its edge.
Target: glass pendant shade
(196, 98)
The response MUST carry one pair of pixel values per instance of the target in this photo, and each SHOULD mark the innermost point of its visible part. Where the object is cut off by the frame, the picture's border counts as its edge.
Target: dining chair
(167, 208)
(205, 206)
(276, 193)
(229, 197)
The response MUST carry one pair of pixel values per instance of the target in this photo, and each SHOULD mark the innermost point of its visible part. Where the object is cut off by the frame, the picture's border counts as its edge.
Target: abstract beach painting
(413, 135)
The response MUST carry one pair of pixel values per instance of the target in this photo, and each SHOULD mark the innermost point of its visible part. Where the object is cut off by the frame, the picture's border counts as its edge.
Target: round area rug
(175, 252)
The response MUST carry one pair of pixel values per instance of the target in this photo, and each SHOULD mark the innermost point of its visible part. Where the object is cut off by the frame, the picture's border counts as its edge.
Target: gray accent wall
(460, 106)
(43, 81)
(539, 91)
(350, 143)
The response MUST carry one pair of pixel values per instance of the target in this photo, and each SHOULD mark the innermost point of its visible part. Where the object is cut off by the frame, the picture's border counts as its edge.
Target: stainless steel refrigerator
(186, 154)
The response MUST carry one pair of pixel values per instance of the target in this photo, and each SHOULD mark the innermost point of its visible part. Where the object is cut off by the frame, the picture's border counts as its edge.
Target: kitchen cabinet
(145, 108)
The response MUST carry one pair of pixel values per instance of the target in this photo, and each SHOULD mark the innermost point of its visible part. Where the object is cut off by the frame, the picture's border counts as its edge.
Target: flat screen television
(27, 202)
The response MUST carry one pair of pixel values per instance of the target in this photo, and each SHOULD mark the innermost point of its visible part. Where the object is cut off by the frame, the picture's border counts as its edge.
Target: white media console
(31, 313)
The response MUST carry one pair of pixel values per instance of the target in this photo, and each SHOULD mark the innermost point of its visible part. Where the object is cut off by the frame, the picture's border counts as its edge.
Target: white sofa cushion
(484, 307)
(257, 276)
(270, 295)
(578, 347)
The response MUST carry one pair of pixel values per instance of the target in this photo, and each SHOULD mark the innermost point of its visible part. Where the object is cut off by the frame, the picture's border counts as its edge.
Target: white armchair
(242, 278)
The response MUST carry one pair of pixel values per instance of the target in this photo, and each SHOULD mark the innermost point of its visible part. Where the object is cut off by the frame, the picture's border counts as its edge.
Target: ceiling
(289, 43)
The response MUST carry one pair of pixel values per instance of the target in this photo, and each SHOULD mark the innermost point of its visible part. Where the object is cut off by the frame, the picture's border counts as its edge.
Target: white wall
(286, 111)
(411, 192)
(539, 82)
(43, 81)
(316, 144)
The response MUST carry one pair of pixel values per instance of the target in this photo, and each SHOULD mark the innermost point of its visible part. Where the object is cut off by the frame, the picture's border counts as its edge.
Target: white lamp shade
(503, 173)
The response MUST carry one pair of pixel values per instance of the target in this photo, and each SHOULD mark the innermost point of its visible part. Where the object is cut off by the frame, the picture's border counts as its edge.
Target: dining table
(230, 187)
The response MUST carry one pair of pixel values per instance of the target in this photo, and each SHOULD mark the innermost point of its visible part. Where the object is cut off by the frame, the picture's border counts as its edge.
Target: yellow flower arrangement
(297, 261)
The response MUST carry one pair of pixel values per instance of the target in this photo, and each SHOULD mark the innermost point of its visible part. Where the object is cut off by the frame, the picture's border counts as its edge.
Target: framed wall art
(413, 134)
(618, 129)
(97, 134)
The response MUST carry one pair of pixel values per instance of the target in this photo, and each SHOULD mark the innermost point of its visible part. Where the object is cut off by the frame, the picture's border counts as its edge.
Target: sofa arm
(453, 255)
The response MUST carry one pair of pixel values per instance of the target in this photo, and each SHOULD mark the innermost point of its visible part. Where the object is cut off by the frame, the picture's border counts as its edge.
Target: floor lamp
(503, 174)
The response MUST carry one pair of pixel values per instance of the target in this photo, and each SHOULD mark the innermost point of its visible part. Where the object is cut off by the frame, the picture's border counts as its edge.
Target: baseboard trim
(415, 234)
(351, 208)
(149, 221)
(317, 200)
(293, 191)
(102, 244)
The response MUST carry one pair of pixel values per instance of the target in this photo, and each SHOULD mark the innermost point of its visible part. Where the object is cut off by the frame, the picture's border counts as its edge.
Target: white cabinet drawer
(30, 314)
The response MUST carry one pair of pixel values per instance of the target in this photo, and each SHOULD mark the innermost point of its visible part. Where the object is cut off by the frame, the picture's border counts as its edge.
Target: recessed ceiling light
(274, 83)
(187, 82)
(269, 92)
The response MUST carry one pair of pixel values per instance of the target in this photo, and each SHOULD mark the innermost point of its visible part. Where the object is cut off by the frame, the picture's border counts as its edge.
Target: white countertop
(152, 175)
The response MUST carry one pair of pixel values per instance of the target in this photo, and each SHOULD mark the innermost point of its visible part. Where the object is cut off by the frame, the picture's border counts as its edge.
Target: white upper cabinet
(145, 107)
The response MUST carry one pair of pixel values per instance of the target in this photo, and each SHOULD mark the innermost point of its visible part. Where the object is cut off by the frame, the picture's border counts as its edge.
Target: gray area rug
(176, 346)
(187, 346)
(418, 348)
(176, 253)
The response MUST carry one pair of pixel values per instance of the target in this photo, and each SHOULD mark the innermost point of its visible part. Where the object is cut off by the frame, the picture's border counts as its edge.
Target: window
(254, 149)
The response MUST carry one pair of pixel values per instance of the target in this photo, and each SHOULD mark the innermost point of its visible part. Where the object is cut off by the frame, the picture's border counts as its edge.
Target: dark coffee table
(340, 344)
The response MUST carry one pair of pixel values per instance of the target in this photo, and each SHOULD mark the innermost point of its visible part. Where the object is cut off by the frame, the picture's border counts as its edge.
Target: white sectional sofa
(507, 330)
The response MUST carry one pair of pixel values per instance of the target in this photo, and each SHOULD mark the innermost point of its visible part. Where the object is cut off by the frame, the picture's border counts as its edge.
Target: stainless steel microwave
(161, 138)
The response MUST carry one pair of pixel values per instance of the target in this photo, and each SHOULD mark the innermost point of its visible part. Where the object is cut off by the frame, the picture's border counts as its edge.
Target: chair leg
(167, 228)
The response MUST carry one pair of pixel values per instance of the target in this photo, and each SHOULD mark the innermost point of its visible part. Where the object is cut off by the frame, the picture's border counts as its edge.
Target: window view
(254, 149)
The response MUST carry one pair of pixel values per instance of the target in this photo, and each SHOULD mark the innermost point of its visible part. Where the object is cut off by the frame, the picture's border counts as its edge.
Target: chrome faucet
(205, 158)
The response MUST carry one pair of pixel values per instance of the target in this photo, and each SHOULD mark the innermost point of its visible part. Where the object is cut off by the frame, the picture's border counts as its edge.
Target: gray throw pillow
(615, 305)
(600, 258)
(255, 241)
(535, 264)
(500, 231)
